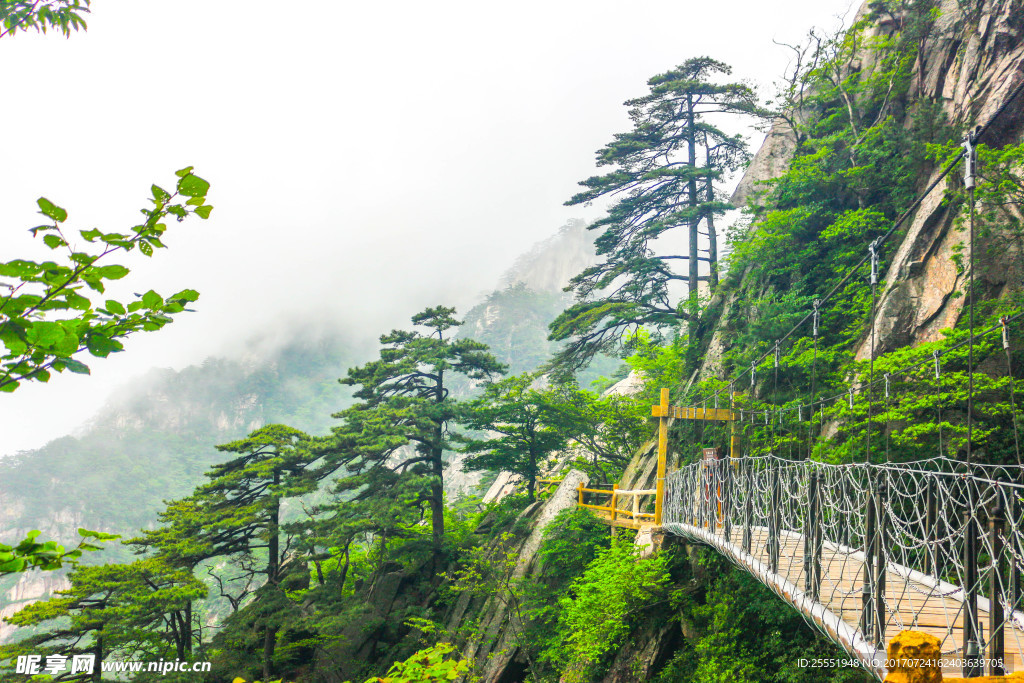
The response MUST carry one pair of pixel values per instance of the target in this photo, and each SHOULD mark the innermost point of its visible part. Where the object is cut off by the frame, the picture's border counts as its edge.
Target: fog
(366, 159)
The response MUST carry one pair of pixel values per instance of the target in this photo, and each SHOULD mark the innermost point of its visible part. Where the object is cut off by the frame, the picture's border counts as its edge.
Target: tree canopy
(664, 178)
(397, 434)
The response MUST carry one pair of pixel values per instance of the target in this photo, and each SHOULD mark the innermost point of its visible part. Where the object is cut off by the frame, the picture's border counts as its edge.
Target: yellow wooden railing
(546, 485)
(630, 516)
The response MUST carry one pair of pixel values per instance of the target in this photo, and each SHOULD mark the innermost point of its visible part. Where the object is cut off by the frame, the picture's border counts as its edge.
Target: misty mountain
(156, 436)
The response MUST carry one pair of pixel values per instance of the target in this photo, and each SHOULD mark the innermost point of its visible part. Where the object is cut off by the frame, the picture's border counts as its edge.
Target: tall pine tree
(664, 176)
(396, 436)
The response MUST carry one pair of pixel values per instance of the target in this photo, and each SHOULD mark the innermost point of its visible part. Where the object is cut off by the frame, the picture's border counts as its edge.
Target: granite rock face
(496, 652)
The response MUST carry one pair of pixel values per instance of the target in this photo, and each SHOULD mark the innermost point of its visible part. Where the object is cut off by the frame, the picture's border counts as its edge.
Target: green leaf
(45, 333)
(53, 241)
(193, 186)
(51, 210)
(114, 307)
(145, 248)
(185, 295)
(76, 367)
(184, 172)
(151, 299)
(160, 194)
(9, 387)
(112, 272)
(90, 235)
(203, 211)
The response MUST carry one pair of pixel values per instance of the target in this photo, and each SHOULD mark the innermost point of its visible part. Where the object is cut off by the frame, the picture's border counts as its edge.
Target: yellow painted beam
(659, 495)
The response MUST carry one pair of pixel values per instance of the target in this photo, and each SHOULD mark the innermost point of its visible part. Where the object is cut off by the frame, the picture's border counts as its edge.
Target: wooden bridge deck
(913, 601)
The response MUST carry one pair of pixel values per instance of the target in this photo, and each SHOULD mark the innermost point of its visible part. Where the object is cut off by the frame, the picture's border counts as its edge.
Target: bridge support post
(932, 529)
(1016, 550)
(748, 504)
(812, 538)
(615, 503)
(727, 485)
(972, 645)
(880, 563)
(774, 533)
(659, 496)
(844, 527)
(868, 576)
(997, 592)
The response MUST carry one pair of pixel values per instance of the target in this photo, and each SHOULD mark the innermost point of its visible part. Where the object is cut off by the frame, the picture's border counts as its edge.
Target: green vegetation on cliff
(346, 554)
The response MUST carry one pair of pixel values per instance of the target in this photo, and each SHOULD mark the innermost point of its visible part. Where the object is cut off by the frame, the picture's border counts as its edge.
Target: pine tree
(237, 515)
(141, 610)
(665, 173)
(394, 439)
(522, 426)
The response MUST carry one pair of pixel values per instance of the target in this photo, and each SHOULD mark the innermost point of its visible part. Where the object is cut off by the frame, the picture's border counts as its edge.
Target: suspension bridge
(862, 551)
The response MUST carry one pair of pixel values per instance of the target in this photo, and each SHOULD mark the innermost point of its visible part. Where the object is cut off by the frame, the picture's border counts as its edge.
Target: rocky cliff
(971, 60)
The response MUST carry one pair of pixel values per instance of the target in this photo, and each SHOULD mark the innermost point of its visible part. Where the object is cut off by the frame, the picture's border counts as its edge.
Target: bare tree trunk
(344, 569)
(712, 236)
(273, 571)
(693, 200)
(437, 485)
(269, 641)
(97, 650)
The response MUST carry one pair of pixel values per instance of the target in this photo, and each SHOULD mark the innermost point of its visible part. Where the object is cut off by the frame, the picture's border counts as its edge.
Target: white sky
(366, 158)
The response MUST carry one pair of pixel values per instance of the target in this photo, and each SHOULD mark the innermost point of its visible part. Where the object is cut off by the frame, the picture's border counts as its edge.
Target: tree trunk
(188, 629)
(269, 641)
(344, 569)
(437, 492)
(273, 523)
(97, 650)
(178, 632)
(531, 481)
(273, 571)
(437, 485)
(712, 236)
(693, 200)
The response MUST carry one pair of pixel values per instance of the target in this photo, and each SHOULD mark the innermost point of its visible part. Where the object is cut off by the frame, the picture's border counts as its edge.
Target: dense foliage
(347, 555)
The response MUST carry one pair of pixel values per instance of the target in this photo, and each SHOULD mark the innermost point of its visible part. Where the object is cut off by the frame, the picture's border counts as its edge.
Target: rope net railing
(867, 550)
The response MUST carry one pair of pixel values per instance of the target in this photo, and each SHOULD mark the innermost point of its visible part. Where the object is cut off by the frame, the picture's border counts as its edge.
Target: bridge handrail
(930, 541)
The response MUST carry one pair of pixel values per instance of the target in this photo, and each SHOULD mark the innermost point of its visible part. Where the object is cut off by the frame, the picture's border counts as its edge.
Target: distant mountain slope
(513, 320)
(154, 440)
